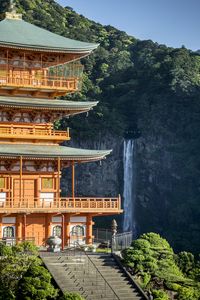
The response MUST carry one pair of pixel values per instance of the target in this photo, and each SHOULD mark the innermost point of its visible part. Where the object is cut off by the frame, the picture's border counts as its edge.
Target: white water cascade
(128, 193)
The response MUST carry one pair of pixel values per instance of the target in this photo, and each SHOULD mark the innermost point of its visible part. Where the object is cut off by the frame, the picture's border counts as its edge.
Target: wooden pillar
(58, 180)
(24, 228)
(73, 182)
(1, 230)
(67, 226)
(63, 232)
(48, 232)
(18, 228)
(89, 237)
(20, 179)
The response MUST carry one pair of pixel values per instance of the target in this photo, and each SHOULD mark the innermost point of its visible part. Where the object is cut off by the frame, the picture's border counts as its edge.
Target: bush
(71, 296)
(5, 250)
(160, 295)
(36, 284)
(26, 247)
(188, 293)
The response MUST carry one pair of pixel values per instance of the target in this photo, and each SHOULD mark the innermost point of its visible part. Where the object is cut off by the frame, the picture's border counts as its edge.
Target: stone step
(78, 274)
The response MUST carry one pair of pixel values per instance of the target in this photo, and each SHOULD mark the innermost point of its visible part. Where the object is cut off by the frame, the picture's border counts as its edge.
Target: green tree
(36, 284)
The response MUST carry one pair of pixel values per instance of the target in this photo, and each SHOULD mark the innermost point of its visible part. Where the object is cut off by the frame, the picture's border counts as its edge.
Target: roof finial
(12, 8)
(12, 13)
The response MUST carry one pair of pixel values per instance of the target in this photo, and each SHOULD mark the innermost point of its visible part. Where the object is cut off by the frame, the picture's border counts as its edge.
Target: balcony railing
(32, 132)
(45, 83)
(37, 76)
(99, 205)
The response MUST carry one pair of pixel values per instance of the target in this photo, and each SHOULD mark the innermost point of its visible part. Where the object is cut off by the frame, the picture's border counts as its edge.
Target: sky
(171, 22)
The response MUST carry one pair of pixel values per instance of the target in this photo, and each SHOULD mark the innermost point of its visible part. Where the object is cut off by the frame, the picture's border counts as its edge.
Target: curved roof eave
(45, 103)
(29, 151)
(23, 35)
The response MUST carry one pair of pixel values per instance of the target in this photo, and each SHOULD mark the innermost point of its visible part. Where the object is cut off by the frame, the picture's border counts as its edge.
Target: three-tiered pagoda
(36, 66)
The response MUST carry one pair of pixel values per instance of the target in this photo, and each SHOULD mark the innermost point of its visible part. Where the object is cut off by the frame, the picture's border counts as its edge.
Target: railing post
(119, 201)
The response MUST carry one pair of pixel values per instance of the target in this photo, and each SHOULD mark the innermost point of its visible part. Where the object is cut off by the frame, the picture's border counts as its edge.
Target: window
(2, 183)
(78, 230)
(47, 183)
(57, 230)
(8, 232)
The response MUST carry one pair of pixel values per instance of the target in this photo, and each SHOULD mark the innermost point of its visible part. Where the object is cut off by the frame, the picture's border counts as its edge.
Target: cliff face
(97, 178)
(165, 193)
(162, 189)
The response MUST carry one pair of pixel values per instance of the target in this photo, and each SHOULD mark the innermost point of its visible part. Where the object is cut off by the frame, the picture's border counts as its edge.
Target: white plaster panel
(8, 220)
(56, 219)
(2, 197)
(47, 197)
(78, 219)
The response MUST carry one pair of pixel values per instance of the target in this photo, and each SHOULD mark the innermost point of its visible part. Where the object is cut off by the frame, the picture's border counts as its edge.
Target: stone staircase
(95, 277)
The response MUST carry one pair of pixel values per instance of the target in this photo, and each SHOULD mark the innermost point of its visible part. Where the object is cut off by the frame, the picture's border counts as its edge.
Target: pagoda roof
(30, 151)
(38, 103)
(16, 33)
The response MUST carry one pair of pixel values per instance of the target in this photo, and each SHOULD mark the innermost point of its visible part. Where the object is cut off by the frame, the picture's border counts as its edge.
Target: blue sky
(171, 22)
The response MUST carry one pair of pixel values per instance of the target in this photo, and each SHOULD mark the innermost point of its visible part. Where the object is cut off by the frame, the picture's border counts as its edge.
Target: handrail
(61, 203)
(50, 82)
(99, 272)
(24, 130)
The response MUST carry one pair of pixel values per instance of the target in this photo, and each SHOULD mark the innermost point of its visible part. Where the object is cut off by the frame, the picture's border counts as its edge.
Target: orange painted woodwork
(31, 205)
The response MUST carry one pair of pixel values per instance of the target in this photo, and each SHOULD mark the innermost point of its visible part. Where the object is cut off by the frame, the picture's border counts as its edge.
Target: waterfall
(128, 192)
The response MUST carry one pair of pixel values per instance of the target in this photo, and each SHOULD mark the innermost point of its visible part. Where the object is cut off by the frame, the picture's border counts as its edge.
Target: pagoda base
(37, 228)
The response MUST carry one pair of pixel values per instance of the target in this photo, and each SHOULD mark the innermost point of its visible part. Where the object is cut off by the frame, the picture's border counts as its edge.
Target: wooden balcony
(32, 132)
(104, 206)
(18, 75)
(67, 85)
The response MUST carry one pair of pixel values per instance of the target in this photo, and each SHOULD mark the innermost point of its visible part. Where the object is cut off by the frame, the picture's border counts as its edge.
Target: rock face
(163, 189)
(97, 178)
(166, 192)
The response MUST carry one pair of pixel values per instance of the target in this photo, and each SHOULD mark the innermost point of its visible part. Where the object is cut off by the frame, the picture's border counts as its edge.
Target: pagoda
(36, 67)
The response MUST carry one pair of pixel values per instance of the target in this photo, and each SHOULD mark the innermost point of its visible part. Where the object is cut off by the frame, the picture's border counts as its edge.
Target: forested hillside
(149, 92)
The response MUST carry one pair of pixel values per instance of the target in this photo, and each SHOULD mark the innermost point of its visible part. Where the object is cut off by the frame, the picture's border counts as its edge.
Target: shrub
(71, 296)
(160, 295)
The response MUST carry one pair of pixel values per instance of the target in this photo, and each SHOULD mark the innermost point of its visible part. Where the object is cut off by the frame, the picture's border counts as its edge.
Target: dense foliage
(160, 272)
(145, 90)
(23, 277)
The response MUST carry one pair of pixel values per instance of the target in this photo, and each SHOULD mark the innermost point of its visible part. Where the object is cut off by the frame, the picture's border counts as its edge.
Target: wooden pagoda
(36, 66)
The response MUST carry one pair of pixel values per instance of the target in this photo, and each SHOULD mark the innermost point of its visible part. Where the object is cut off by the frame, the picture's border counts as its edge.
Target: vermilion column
(48, 226)
(18, 228)
(89, 237)
(67, 226)
(24, 228)
(1, 233)
(63, 233)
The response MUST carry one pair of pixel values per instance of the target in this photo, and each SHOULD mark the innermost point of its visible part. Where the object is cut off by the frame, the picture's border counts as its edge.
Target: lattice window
(57, 230)
(47, 183)
(8, 232)
(2, 183)
(78, 230)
